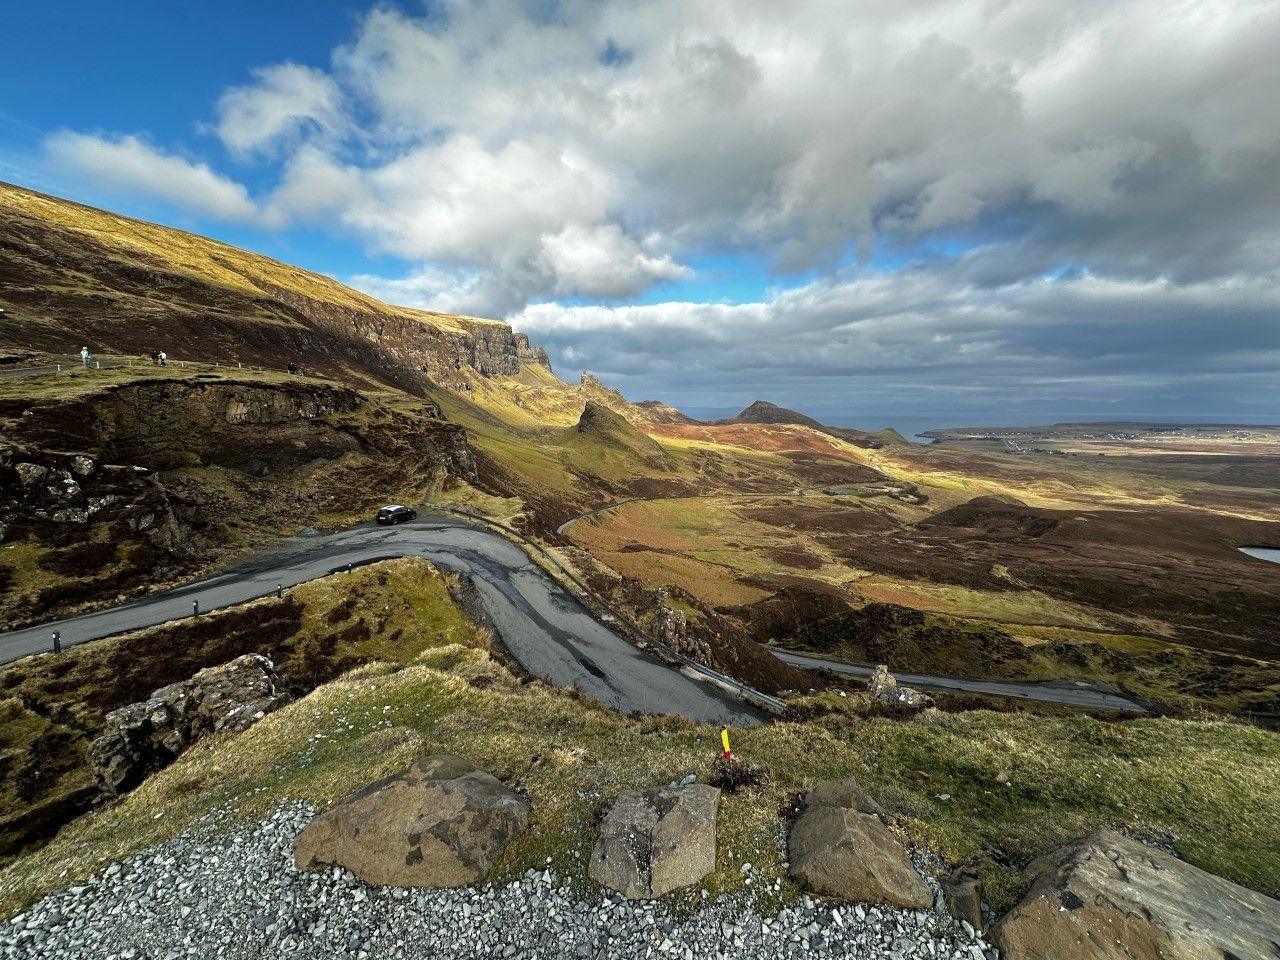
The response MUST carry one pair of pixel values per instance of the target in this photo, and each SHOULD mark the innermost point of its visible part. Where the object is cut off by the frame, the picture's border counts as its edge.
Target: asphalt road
(1068, 693)
(540, 623)
(543, 626)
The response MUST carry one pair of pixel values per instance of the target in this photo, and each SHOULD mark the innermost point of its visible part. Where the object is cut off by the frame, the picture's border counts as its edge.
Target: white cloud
(513, 154)
(602, 261)
(795, 131)
(131, 165)
(444, 291)
(283, 103)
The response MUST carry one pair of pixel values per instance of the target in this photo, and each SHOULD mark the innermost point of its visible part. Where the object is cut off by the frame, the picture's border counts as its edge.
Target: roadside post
(724, 739)
(195, 608)
(57, 642)
(279, 591)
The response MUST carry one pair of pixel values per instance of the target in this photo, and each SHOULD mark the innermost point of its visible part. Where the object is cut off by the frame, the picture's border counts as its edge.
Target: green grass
(51, 707)
(1204, 787)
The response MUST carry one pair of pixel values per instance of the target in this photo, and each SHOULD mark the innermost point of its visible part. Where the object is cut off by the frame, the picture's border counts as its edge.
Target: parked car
(395, 513)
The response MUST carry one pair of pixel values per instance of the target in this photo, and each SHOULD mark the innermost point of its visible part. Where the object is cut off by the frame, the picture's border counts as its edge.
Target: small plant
(733, 775)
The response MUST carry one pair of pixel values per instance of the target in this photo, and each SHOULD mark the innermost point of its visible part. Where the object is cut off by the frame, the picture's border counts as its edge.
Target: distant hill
(658, 412)
(73, 276)
(762, 411)
(605, 427)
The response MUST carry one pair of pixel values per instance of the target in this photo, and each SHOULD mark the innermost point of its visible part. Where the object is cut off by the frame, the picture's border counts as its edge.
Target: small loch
(1262, 553)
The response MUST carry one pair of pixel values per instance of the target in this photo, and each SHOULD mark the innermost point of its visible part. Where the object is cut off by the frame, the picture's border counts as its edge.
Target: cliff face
(104, 493)
(73, 276)
(412, 342)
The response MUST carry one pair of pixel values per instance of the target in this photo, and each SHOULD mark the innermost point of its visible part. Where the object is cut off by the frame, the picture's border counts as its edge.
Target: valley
(583, 569)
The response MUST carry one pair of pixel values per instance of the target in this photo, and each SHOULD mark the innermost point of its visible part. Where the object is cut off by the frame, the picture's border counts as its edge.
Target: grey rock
(964, 897)
(837, 850)
(884, 687)
(657, 840)
(146, 736)
(31, 473)
(1107, 896)
(443, 822)
(201, 895)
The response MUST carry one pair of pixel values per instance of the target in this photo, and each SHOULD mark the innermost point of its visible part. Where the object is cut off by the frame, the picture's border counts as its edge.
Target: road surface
(544, 627)
(540, 623)
(1069, 693)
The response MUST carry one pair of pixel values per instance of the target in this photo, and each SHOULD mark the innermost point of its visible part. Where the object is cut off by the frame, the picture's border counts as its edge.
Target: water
(1262, 553)
(911, 426)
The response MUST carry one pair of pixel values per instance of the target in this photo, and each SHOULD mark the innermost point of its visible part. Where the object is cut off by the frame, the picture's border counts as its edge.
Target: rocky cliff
(73, 276)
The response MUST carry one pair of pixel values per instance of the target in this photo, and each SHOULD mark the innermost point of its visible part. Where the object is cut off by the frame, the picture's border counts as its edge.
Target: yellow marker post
(724, 738)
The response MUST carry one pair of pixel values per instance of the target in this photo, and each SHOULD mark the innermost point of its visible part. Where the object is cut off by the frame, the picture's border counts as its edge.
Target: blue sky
(947, 206)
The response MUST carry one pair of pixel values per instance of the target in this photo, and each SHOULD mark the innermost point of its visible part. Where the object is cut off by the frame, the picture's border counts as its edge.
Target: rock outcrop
(144, 481)
(884, 686)
(657, 840)
(443, 822)
(146, 736)
(1107, 897)
(964, 897)
(839, 847)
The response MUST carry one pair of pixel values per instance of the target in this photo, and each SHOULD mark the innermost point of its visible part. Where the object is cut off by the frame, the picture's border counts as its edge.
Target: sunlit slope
(561, 449)
(72, 276)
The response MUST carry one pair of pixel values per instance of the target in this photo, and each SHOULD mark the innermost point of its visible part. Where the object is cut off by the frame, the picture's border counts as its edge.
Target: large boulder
(840, 848)
(146, 736)
(1107, 897)
(884, 686)
(444, 822)
(657, 840)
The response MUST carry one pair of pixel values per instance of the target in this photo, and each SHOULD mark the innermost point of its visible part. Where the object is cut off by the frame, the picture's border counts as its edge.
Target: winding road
(1072, 693)
(543, 626)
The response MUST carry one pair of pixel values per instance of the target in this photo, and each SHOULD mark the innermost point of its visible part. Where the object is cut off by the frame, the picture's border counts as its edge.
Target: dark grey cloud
(925, 339)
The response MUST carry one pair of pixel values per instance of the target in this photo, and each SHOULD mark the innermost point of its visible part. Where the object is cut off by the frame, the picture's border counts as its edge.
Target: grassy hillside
(189, 466)
(51, 708)
(988, 788)
(72, 275)
(1128, 562)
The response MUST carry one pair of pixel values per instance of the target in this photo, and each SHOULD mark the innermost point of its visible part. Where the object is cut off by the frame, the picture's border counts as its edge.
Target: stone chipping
(232, 892)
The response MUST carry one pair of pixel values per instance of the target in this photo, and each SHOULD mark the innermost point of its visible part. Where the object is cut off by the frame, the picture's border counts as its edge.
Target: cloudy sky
(848, 207)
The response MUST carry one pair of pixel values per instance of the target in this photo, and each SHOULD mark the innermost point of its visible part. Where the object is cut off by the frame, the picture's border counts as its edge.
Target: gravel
(234, 893)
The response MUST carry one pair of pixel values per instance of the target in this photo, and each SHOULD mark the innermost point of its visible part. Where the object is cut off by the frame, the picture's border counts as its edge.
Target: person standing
(85, 356)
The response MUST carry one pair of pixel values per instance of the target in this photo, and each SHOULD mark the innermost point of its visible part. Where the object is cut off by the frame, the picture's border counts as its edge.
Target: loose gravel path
(235, 895)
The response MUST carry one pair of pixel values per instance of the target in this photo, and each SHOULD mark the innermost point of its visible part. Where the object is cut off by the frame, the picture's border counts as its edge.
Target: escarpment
(140, 287)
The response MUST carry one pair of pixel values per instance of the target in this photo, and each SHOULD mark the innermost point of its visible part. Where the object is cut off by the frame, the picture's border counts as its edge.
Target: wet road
(1066, 692)
(540, 623)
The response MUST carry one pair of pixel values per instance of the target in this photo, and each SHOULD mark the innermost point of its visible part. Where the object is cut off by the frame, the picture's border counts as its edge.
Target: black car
(395, 513)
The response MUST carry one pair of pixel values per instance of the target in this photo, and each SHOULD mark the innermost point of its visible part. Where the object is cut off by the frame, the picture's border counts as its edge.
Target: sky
(963, 208)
